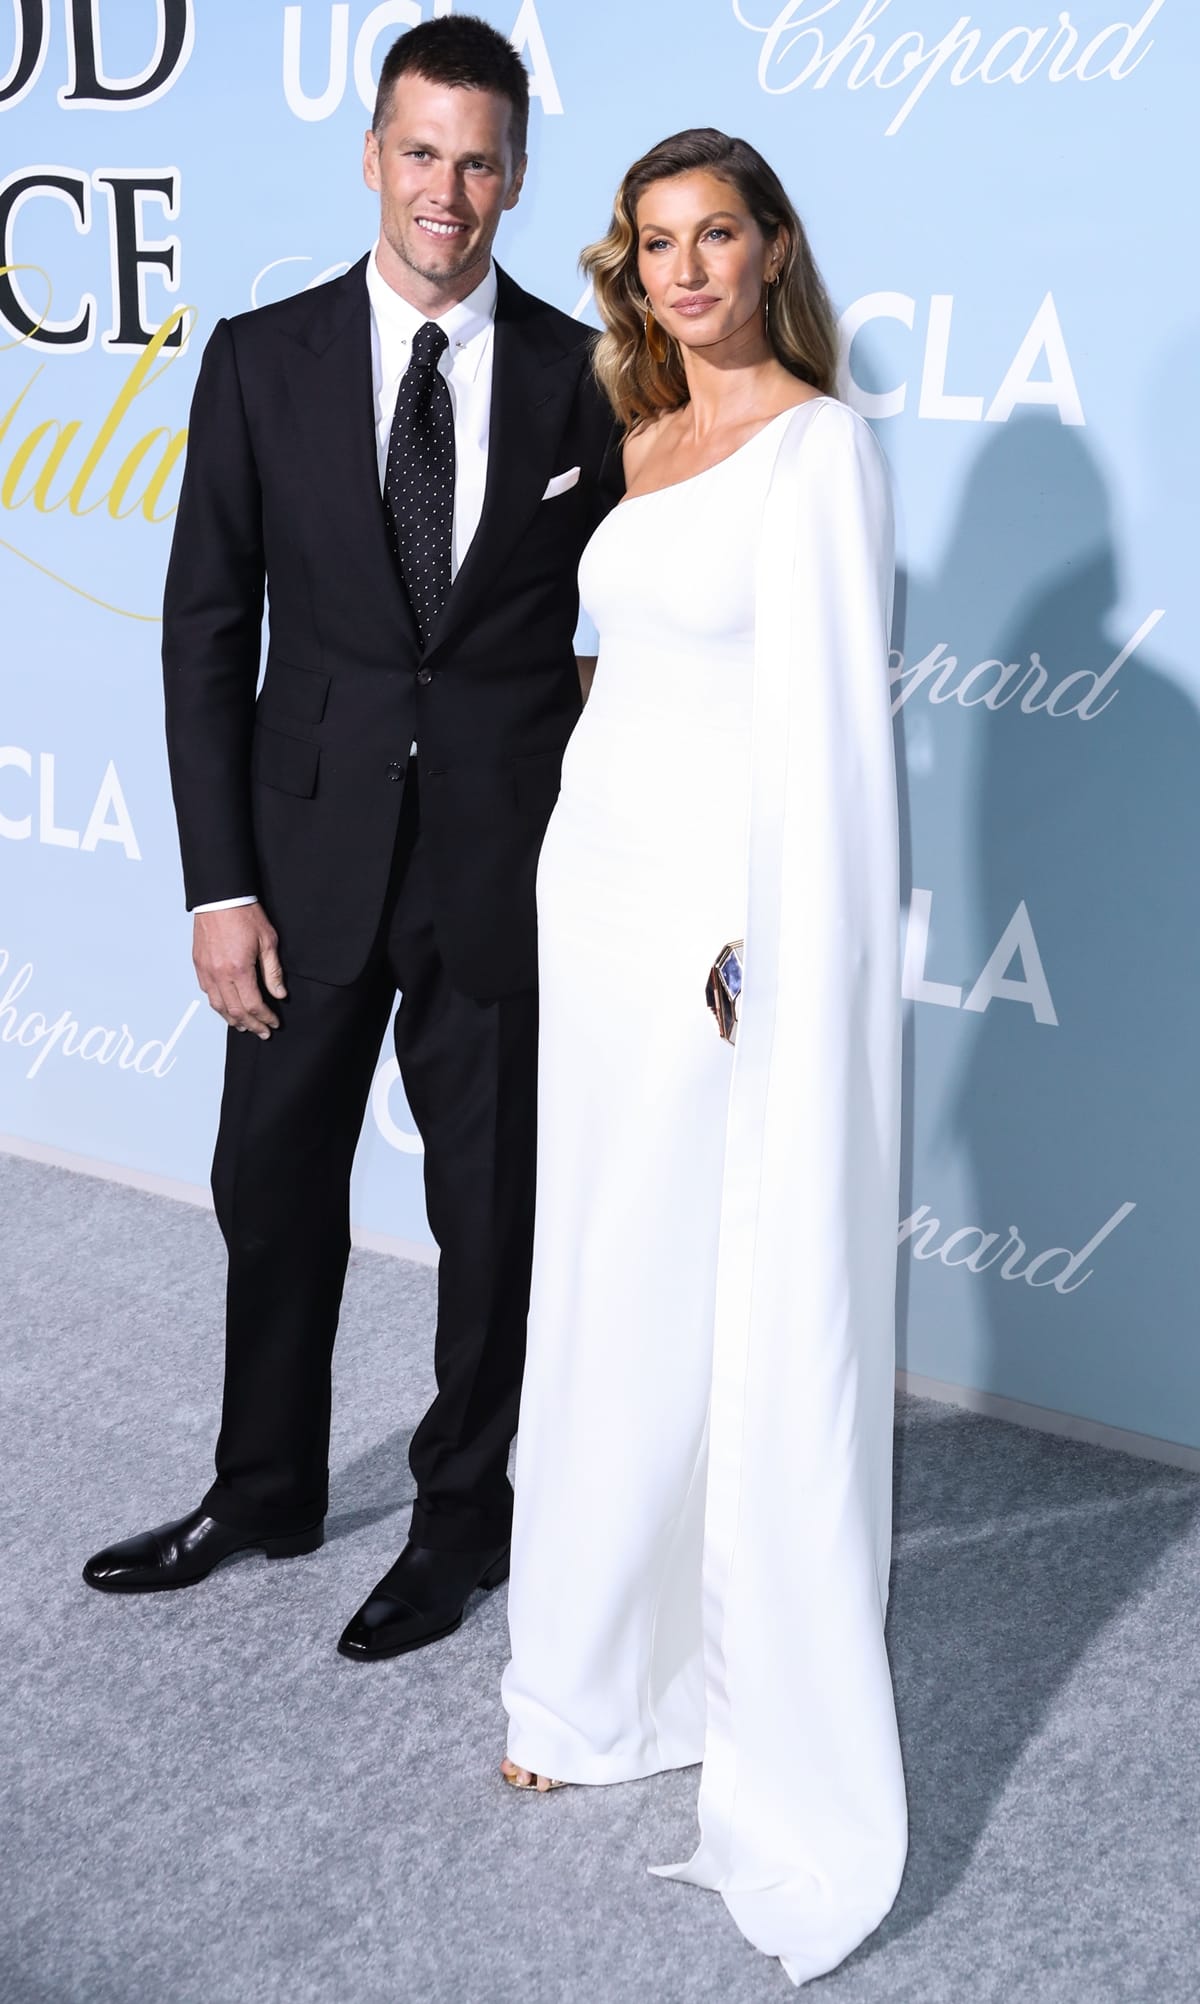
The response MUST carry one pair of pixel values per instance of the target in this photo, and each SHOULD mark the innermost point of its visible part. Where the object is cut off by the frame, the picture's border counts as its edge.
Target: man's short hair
(465, 53)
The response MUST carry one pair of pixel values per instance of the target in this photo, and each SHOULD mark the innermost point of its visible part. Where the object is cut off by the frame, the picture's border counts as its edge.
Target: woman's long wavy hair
(800, 327)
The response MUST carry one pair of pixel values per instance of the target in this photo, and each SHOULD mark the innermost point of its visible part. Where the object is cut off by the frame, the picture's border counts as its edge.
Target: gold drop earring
(769, 285)
(657, 345)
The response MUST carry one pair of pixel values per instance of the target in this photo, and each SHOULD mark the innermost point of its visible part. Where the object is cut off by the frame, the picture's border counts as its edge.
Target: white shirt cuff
(224, 904)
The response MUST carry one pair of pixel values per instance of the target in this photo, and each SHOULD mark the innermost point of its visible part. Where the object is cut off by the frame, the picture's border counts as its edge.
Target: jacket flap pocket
(294, 692)
(287, 763)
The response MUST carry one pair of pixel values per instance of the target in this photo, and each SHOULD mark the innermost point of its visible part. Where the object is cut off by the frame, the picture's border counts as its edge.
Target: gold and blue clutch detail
(723, 987)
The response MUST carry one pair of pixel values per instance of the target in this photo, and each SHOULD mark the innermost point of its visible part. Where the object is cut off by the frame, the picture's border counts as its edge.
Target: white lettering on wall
(336, 61)
(403, 1138)
(995, 983)
(32, 1030)
(529, 42)
(259, 298)
(976, 1249)
(994, 683)
(796, 51)
(1039, 374)
(108, 821)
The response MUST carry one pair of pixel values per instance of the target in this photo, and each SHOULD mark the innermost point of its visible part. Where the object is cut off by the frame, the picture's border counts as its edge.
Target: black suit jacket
(296, 795)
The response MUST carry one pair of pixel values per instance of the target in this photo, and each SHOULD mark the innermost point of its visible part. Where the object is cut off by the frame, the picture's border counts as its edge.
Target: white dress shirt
(467, 366)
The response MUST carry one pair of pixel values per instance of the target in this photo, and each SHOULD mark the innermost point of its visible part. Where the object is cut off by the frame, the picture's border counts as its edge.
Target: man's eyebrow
(410, 141)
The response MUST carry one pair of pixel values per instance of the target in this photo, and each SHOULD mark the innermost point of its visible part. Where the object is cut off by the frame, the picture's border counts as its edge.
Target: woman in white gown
(703, 1492)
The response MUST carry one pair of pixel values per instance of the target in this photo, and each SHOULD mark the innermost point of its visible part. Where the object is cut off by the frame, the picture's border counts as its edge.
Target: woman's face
(702, 258)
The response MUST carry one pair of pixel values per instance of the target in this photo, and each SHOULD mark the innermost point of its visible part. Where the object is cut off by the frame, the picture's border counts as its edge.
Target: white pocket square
(560, 483)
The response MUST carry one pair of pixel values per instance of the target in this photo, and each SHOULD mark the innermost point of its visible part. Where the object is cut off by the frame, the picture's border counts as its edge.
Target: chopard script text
(845, 49)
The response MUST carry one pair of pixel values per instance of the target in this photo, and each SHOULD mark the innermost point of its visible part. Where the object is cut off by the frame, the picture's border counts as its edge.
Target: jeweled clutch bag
(723, 987)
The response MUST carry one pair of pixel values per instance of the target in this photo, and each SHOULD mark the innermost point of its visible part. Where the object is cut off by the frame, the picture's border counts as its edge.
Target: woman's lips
(692, 309)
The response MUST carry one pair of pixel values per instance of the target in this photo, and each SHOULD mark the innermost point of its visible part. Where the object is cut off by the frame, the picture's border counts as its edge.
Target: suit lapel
(533, 380)
(330, 369)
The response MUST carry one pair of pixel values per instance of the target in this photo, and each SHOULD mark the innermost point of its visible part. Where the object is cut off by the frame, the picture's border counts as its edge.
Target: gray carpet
(203, 1802)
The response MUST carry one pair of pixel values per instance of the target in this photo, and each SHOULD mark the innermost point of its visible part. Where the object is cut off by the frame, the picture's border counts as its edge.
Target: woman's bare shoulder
(795, 395)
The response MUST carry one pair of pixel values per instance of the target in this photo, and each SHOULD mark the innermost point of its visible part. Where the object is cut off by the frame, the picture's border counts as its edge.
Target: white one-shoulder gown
(703, 1486)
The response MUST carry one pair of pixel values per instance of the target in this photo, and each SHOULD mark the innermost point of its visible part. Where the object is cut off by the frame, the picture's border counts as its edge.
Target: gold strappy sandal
(531, 1785)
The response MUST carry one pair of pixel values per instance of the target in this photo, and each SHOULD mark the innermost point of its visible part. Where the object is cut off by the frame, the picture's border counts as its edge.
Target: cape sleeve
(802, 1807)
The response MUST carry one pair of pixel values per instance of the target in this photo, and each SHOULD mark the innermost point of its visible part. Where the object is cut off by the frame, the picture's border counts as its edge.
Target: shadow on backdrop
(1092, 817)
(1093, 820)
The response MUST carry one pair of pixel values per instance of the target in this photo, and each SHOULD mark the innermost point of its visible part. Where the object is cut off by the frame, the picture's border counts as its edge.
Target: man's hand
(236, 957)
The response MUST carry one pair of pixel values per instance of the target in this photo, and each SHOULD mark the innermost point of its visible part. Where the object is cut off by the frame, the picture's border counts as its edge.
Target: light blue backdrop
(995, 197)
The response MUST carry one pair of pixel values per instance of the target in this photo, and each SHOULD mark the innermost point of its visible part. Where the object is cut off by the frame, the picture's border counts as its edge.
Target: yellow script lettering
(138, 379)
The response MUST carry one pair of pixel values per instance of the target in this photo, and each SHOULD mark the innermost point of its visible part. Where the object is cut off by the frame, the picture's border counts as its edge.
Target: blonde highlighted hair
(800, 327)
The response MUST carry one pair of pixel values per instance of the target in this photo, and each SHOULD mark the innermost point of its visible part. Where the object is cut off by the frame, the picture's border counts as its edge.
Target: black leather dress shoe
(420, 1599)
(179, 1554)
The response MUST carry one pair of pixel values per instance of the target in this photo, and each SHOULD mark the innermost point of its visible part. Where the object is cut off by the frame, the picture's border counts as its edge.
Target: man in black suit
(408, 461)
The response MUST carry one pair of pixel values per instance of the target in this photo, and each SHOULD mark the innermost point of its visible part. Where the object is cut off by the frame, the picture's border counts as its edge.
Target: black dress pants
(291, 1113)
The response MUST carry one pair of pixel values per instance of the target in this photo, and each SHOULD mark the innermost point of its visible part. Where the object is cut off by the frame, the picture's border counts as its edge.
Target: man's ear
(514, 193)
(371, 160)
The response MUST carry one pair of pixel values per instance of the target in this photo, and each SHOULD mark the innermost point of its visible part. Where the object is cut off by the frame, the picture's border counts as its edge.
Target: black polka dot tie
(418, 487)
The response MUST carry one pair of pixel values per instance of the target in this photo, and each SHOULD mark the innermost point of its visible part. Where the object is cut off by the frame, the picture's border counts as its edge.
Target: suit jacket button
(395, 771)
(424, 677)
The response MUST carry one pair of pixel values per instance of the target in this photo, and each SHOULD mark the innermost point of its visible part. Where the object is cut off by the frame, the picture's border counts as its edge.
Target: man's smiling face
(444, 173)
